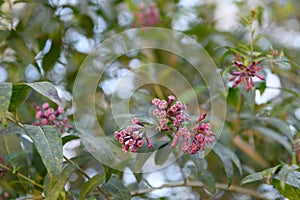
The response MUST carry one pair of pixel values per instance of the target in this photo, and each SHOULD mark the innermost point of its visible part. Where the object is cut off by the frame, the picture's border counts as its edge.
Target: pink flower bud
(45, 105)
(135, 121)
(44, 121)
(52, 117)
(60, 110)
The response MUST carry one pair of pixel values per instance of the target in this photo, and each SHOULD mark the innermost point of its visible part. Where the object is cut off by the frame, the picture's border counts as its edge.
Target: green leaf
(48, 144)
(20, 91)
(227, 157)
(284, 172)
(269, 133)
(208, 180)
(290, 192)
(52, 56)
(252, 178)
(90, 185)
(69, 138)
(5, 95)
(162, 154)
(116, 188)
(12, 130)
(107, 171)
(233, 97)
(53, 190)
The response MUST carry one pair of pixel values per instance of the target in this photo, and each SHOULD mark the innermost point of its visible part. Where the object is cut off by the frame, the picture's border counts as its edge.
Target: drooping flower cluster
(2, 171)
(170, 114)
(131, 137)
(245, 74)
(146, 16)
(171, 119)
(46, 115)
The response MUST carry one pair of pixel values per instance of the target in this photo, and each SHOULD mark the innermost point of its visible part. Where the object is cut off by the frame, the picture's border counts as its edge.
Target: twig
(198, 184)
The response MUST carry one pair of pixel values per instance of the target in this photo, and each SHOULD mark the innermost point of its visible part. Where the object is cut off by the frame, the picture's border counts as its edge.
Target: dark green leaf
(107, 171)
(116, 188)
(208, 180)
(19, 93)
(90, 185)
(48, 144)
(69, 138)
(233, 97)
(51, 57)
(5, 95)
(53, 190)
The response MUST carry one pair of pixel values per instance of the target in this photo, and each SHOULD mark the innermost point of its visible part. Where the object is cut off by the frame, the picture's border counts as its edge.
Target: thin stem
(198, 184)
(21, 176)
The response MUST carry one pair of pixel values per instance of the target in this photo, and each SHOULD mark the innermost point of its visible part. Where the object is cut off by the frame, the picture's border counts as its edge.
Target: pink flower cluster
(171, 119)
(246, 74)
(195, 139)
(170, 114)
(48, 116)
(131, 137)
(147, 16)
(2, 171)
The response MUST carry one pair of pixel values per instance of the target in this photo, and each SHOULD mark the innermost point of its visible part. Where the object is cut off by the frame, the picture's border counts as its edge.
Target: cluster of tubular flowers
(245, 74)
(196, 138)
(131, 137)
(147, 16)
(46, 115)
(170, 119)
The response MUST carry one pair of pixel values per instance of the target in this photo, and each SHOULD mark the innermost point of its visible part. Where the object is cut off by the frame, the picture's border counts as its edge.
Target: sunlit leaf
(233, 97)
(90, 185)
(116, 188)
(290, 192)
(48, 144)
(107, 172)
(252, 178)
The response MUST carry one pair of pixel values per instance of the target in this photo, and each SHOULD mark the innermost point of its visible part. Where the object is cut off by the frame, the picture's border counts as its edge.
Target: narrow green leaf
(227, 157)
(252, 178)
(52, 56)
(5, 95)
(69, 138)
(268, 174)
(275, 136)
(48, 144)
(53, 193)
(208, 180)
(162, 154)
(90, 185)
(116, 188)
(12, 130)
(284, 172)
(107, 171)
